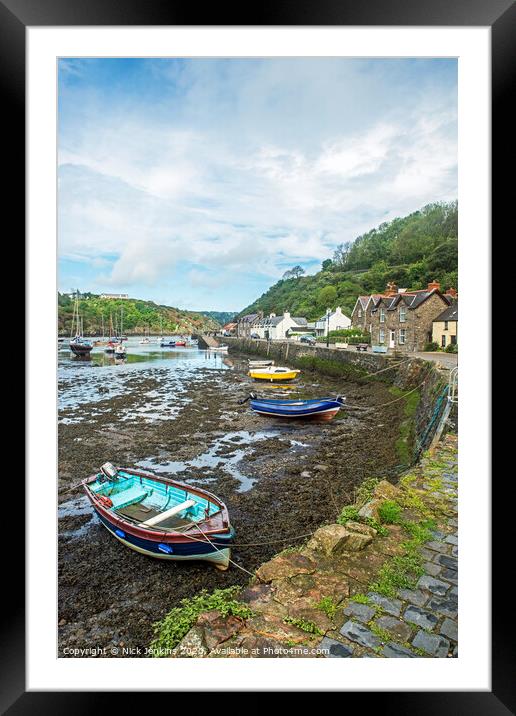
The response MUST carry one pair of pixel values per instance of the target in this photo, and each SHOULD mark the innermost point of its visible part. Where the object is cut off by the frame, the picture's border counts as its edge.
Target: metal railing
(453, 385)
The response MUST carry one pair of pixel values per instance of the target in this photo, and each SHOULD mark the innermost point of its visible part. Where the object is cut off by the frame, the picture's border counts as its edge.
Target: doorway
(392, 339)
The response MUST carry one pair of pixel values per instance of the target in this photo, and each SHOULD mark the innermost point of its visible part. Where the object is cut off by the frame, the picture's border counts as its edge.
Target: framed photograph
(252, 437)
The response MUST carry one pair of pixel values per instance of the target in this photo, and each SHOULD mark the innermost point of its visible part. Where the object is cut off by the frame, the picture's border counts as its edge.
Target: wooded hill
(410, 251)
(138, 316)
(221, 317)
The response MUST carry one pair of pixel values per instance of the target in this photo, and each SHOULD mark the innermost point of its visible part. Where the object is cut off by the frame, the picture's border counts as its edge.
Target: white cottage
(275, 327)
(332, 321)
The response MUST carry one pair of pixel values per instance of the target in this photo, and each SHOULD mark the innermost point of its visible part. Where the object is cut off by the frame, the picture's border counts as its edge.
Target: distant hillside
(411, 251)
(138, 316)
(222, 317)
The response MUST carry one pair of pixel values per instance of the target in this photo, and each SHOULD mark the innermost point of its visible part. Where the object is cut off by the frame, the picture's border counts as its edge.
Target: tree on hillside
(295, 272)
(341, 253)
(326, 297)
(327, 265)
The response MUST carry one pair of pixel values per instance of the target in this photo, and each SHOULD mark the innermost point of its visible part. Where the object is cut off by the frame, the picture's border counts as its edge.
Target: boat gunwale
(152, 532)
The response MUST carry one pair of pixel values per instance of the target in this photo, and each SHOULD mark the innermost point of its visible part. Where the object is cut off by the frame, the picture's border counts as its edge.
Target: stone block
(396, 651)
(360, 634)
(432, 644)
(336, 649)
(421, 617)
(391, 606)
(362, 612)
(436, 586)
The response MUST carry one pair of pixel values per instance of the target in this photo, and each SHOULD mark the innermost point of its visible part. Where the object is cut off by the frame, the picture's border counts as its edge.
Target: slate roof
(449, 314)
(412, 299)
(249, 318)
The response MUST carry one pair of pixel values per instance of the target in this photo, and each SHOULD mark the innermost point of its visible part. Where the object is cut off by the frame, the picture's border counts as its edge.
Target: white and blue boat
(160, 517)
(320, 409)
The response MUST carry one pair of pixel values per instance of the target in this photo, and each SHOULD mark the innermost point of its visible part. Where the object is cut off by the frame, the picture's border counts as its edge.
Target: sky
(197, 183)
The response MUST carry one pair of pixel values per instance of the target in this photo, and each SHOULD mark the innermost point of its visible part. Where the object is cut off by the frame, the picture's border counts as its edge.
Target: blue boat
(167, 344)
(320, 409)
(160, 517)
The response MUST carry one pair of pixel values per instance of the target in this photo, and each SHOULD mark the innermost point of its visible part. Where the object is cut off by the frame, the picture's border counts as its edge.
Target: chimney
(451, 292)
(286, 314)
(338, 310)
(434, 285)
(272, 315)
(392, 289)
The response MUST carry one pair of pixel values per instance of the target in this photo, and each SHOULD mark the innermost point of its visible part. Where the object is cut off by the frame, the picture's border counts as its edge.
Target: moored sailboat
(79, 345)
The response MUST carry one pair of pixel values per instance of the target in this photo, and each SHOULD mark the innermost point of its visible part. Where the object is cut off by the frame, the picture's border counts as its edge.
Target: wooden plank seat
(162, 516)
(128, 497)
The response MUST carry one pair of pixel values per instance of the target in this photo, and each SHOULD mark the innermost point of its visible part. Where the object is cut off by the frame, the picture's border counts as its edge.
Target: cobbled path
(422, 622)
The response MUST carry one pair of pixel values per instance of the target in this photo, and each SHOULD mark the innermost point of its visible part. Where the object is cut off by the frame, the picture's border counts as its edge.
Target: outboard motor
(109, 470)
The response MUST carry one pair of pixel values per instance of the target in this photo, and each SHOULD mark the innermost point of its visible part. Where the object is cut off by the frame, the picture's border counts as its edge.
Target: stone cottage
(402, 319)
(245, 324)
(445, 326)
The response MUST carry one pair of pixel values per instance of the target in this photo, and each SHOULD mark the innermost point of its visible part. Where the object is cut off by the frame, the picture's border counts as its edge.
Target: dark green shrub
(452, 348)
(431, 346)
(389, 512)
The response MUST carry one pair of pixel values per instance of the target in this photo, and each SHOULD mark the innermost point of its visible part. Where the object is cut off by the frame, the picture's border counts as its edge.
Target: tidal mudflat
(177, 412)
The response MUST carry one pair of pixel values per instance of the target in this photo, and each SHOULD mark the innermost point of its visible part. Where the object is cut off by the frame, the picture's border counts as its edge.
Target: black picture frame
(500, 15)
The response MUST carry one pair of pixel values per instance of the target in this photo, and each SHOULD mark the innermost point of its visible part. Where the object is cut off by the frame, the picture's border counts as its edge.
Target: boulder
(313, 587)
(192, 644)
(305, 609)
(370, 510)
(385, 491)
(218, 628)
(270, 627)
(357, 541)
(285, 565)
(330, 540)
(359, 527)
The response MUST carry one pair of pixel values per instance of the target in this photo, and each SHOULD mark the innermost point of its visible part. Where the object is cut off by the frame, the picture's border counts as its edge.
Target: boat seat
(128, 497)
(169, 513)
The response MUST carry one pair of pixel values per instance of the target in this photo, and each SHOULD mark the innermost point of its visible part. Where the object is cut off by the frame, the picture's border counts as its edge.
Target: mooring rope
(383, 405)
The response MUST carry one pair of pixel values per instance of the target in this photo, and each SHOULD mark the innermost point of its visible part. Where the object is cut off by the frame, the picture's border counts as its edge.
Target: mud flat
(184, 420)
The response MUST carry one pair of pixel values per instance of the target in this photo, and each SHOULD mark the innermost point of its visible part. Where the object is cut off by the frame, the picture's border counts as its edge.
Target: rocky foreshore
(381, 582)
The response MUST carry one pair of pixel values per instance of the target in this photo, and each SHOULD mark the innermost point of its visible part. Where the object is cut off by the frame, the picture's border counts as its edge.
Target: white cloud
(247, 167)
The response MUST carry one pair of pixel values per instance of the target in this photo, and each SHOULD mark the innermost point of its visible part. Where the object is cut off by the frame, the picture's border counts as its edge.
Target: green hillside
(138, 316)
(221, 317)
(411, 251)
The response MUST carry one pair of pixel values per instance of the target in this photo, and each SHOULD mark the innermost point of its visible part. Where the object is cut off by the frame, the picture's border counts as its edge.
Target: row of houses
(273, 327)
(407, 320)
(398, 319)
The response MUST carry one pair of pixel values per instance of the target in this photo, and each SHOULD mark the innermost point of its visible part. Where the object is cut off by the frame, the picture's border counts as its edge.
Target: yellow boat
(274, 372)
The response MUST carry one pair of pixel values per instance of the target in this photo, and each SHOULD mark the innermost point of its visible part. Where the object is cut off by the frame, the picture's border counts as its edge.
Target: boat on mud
(318, 409)
(120, 351)
(79, 345)
(260, 363)
(160, 517)
(219, 349)
(274, 373)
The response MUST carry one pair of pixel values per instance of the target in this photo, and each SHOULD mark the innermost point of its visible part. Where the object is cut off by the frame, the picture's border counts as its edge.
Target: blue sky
(197, 183)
